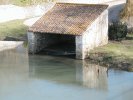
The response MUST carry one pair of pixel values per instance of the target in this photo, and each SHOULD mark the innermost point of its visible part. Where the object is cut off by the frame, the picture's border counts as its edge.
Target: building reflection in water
(17, 67)
(68, 71)
(92, 75)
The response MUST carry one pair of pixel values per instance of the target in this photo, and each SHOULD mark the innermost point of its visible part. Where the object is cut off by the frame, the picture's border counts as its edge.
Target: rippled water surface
(41, 77)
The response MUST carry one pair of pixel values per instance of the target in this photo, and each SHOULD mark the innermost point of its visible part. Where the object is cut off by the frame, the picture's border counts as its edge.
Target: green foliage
(115, 54)
(30, 2)
(21, 2)
(25, 2)
(117, 31)
(12, 29)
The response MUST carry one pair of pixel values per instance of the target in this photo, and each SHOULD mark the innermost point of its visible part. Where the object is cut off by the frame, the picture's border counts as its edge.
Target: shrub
(117, 31)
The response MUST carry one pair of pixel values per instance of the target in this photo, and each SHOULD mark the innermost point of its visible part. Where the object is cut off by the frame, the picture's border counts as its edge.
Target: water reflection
(17, 66)
(39, 77)
(54, 69)
(14, 67)
(92, 75)
(63, 70)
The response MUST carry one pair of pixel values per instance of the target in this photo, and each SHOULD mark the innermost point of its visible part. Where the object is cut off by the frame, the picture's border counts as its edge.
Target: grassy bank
(14, 29)
(117, 55)
(25, 2)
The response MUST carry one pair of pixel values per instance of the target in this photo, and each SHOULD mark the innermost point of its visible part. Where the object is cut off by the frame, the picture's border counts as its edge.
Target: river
(43, 77)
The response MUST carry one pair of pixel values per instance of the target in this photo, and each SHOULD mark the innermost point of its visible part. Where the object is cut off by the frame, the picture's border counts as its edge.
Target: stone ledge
(5, 45)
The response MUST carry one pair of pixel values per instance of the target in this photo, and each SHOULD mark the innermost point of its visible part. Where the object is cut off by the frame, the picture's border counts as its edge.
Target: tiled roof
(68, 18)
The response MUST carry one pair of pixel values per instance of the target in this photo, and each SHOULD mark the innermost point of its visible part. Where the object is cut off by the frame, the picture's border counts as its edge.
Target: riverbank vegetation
(15, 29)
(24, 2)
(116, 54)
(117, 31)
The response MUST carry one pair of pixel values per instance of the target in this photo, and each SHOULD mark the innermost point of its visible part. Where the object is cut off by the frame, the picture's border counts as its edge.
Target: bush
(117, 31)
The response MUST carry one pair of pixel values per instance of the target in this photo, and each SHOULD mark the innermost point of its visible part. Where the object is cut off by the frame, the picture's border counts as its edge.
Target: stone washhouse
(83, 25)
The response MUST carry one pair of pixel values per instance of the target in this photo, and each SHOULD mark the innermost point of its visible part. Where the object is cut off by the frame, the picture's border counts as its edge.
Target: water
(42, 77)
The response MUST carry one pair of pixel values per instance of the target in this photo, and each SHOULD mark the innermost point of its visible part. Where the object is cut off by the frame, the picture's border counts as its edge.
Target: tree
(128, 10)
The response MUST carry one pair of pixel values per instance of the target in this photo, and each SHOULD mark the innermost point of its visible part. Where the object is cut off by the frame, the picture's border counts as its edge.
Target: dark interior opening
(59, 45)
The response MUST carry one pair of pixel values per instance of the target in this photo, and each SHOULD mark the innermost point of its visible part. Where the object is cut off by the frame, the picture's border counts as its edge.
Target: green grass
(115, 54)
(124, 48)
(24, 2)
(12, 29)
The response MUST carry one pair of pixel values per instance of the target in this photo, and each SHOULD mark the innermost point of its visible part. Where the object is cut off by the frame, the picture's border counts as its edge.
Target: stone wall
(32, 42)
(96, 35)
(38, 41)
